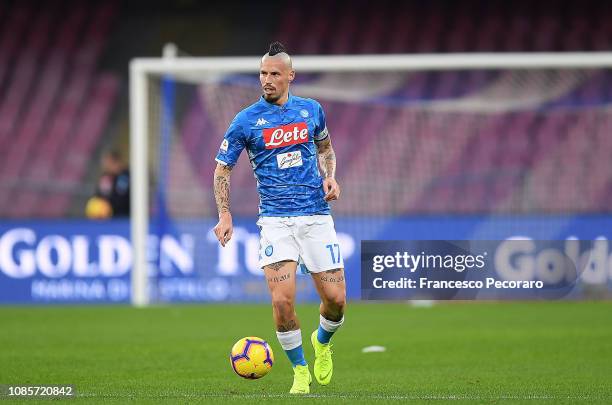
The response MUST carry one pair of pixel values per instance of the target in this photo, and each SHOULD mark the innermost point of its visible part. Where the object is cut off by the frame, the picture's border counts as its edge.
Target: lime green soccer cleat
(301, 380)
(323, 365)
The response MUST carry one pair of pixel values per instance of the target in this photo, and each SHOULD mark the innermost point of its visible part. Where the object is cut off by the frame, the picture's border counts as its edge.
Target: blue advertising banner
(48, 261)
(90, 262)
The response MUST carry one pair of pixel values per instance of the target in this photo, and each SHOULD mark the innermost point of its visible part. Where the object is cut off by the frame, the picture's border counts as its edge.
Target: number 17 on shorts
(334, 253)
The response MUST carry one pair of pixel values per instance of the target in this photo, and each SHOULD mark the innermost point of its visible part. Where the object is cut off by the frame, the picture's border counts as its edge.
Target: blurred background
(458, 154)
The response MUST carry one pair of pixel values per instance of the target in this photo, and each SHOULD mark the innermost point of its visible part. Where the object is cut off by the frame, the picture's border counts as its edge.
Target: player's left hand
(331, 188)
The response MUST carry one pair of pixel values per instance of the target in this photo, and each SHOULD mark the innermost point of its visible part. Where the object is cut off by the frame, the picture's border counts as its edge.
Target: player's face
(275, 76)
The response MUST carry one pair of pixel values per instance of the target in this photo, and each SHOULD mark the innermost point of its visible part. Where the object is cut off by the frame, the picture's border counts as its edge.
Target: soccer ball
(251, 357)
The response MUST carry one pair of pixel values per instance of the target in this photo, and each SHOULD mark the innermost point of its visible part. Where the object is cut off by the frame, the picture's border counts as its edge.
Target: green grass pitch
(554, 352)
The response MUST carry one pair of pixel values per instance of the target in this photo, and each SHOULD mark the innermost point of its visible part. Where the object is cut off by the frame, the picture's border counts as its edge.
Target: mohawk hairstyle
(276, 48)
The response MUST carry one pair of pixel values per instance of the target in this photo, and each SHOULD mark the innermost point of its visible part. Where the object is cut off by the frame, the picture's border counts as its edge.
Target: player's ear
(291, 76)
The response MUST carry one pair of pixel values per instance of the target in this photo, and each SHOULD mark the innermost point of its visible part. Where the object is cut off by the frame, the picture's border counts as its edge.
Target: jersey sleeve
(321, 132)
(233, 143)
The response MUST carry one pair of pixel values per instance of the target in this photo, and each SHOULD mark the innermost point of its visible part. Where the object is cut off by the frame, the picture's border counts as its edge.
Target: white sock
(330, 326)
(290, 340)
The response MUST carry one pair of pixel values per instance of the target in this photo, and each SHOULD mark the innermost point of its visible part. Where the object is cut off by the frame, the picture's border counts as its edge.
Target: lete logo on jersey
(285, 135)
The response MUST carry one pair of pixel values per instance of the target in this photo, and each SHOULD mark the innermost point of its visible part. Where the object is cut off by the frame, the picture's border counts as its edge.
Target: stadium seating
(446, 155)
(54, 105)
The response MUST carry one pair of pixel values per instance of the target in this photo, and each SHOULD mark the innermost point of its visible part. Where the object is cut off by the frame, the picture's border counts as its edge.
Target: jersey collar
(288, 104)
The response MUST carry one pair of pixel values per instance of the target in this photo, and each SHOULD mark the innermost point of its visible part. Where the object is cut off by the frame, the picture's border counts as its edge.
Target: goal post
(191, 69)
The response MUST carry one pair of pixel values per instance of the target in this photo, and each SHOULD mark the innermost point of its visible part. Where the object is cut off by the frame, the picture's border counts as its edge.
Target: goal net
(416, 137)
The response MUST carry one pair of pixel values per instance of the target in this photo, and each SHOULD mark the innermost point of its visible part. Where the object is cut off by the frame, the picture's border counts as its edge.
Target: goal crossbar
(352, 63)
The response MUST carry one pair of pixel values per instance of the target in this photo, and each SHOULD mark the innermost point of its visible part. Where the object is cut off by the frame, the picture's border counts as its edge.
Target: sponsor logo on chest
(285, 135)
(289, 159)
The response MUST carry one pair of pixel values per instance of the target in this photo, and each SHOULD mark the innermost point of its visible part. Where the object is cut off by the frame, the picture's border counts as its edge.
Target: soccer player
(285, 137)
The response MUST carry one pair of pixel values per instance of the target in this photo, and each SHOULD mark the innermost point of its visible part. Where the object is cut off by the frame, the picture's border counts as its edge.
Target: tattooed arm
(327, 162)
(224, 228)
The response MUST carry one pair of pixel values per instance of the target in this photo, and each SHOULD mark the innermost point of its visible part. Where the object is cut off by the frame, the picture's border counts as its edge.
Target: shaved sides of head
(277, 51)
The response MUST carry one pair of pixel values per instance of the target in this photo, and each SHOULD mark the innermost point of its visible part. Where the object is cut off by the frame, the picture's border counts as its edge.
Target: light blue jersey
(280, 142)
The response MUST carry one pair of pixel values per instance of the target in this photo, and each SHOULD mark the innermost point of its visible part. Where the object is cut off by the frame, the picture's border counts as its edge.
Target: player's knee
(283, 305)
(340, 303)
(336, 303)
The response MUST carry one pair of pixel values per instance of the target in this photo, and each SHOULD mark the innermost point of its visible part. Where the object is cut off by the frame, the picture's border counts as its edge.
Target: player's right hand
(224, 228)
